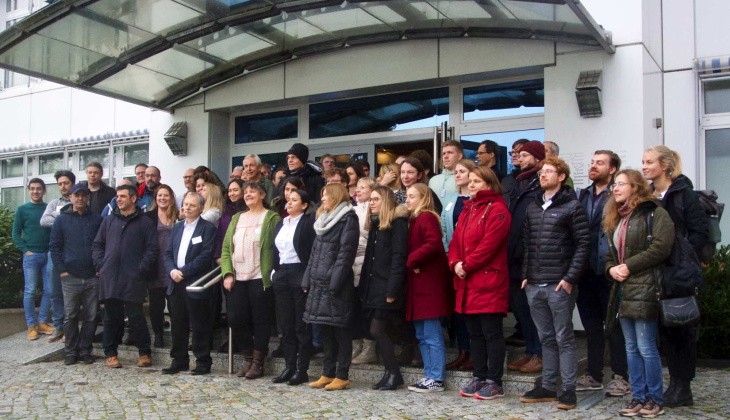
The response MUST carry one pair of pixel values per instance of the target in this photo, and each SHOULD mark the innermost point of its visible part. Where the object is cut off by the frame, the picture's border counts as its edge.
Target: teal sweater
(28, 234)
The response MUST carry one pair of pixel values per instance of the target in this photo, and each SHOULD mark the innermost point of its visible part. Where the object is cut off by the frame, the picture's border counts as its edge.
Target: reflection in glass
(504, 100)
(269, 126)
(134, 154)
(52, 192)
(12, 168)
(48, 164)
(12, 197)
(717, 96)
(717, 159)
(400, 111)
(98, 155)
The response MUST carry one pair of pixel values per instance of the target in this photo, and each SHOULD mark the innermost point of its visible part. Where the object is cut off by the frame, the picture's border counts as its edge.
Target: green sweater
(266, 246)
(28, 234)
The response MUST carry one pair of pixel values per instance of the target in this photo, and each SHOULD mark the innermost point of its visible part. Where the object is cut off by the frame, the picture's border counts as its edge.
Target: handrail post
(230, 351)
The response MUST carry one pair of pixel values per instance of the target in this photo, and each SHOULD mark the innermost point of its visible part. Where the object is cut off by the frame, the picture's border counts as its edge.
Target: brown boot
(467, 365)
(32, 333)
(257, 367)
(517, 364)
(44, 328)
(463, 354)
(247, 362)
(533, 366)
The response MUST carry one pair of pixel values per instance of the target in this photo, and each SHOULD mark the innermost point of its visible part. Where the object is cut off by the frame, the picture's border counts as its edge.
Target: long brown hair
(387, 208)
(172, 212)
(337, 193)
(487, 175)
(426, 204)
(640, 192)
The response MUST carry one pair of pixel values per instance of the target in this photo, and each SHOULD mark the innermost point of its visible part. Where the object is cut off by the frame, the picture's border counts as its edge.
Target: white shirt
(285, 241)
(187, 236)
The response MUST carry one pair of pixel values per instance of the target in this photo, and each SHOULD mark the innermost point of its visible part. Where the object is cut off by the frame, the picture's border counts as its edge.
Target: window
(504, 140)
(12, 197)
(717, 95)
(49, 164)
(265, 127)
(98, 155)
(11, 5)
(717, 159)
(374, 114)
(12, 168)
(52, 192)
(504, 100)
(134, 154)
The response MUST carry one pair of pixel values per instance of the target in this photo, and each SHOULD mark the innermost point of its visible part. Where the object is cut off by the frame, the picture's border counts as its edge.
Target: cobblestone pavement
(52, 390)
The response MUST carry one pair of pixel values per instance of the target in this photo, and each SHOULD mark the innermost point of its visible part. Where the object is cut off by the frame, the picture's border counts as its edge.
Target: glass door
(717, 159)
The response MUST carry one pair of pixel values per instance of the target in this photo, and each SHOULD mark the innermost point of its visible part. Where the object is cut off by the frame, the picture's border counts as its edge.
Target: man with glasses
(236, 173)
(487, 154)
(328, 162)
(594, 289)
(189, 181)
(139, 172)
(508, 182)
(556, 246)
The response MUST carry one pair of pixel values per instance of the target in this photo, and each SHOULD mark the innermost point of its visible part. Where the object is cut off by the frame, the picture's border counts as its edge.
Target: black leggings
(379, 331)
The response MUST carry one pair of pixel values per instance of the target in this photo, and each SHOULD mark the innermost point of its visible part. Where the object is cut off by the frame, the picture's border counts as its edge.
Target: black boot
(394, 380)
(285, 375)
(381, 382)
(299, 377)
(682, 395)
(670, 389)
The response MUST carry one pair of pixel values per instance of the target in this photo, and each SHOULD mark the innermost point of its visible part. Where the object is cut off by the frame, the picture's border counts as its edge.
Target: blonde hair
(670, 158)
(214, 199)
(640, 192)
(384, 169)
(387, 208)
(337, 193)
(426, 205)
(368, 181)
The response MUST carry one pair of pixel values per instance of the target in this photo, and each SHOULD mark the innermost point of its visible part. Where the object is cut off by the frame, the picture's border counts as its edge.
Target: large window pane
(12, 168)
(49, 164)
(12, 197)
(138, 153)
(504, 100)
(52, 193)
(717, 96)
(717, 158)
(400, 111)
(98, 155)
(269, 126)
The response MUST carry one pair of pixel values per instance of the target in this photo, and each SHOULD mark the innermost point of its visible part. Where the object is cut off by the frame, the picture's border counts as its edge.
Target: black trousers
(296, 335)
(592, 305)
(337, 352)
(187, 313)
(250, 309)
(114, 326)
(487, 347)
(158, 300)
(680, 348)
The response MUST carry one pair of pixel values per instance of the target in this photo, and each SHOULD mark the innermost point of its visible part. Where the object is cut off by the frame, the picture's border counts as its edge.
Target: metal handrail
(216, 274)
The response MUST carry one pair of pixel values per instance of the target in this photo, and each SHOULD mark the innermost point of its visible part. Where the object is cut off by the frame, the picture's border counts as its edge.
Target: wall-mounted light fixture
(588, 93)
(177, 138)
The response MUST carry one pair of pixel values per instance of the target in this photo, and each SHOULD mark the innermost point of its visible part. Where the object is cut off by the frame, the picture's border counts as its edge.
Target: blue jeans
(645, 366)
(56, 295)
(433, 350)
(35, 266)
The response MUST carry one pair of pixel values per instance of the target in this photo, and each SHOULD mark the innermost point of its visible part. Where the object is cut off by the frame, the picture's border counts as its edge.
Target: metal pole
(230, 351)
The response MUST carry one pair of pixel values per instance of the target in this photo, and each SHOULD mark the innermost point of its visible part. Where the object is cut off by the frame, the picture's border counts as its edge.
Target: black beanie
(300, 151)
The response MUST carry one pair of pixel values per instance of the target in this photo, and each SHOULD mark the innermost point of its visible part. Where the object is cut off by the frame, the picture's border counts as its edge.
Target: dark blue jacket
(71, 240)
(124, 250)
(522, 194)
(599, 243)
(198, 258)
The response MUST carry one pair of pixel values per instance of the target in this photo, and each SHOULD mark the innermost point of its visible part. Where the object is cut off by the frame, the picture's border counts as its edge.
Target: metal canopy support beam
(601, 35)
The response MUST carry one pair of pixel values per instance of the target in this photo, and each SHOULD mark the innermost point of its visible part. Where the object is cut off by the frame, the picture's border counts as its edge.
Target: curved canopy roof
(160, 52)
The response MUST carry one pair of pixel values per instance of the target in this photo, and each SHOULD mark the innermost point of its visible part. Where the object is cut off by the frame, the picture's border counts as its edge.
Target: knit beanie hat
(534, 147)
(302, 152)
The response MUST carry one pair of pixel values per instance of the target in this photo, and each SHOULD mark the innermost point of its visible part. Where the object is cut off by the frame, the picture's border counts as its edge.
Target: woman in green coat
(634, 262)
(247, 257)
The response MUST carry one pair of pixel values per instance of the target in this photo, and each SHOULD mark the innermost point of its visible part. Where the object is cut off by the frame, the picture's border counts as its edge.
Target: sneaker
(428, 385)
(651, 410)
(474, 386)
(44, 328)
(618, 387)
(517, 364)
(567, 400)
(587, 383)
(490, 391)
(533, 366)
(539, 394)
(415, 386)
(55, 336)
(144, 361)
(632, 409)
(32, 333)
(113, 362)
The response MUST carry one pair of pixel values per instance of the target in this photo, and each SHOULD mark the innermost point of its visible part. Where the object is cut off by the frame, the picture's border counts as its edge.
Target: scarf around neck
(625, 213)
(329, 218)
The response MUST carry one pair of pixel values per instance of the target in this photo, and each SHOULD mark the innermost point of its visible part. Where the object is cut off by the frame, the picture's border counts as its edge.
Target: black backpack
(713, 214)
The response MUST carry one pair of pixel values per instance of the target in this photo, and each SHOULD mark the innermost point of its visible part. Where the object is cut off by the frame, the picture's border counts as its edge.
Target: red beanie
(535, 148)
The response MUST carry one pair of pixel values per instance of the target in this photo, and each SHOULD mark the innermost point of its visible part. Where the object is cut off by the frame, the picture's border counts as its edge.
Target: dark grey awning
(159, 52)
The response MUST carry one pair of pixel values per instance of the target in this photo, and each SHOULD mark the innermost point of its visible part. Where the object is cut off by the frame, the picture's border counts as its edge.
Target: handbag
(678, 311)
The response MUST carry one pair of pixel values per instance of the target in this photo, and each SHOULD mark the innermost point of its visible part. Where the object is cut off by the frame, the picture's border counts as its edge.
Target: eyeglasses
(481, 153)
(546, 172)
(514, 153)
(620, 184)
(187, 176)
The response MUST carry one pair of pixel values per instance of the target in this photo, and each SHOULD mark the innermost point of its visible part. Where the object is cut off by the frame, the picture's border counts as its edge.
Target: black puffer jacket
(683, 206)
(523, 193)
(384, 268)
(329, 278)
(556, 240)
(311, 174)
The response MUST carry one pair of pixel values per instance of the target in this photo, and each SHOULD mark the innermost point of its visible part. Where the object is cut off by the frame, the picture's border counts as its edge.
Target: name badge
(448, 206)
(257, 231)
(197, 240)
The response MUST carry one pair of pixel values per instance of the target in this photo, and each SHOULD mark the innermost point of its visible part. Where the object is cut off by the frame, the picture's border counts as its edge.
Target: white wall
(713, 38)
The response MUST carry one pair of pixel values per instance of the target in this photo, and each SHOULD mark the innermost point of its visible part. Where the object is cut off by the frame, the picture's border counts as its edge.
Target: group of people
(349, 262)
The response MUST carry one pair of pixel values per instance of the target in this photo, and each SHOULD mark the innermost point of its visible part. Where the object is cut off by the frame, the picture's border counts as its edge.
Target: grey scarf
(329, 218)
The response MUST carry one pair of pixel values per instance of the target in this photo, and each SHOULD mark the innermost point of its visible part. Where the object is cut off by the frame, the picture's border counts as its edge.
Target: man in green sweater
(33, 240)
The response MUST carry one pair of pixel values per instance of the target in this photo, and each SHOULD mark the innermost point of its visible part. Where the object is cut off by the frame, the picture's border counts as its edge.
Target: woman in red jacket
(478, 257)
(428, 296)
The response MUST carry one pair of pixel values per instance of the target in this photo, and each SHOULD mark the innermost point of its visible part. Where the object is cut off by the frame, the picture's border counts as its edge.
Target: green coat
(638, 293)
(266, 246)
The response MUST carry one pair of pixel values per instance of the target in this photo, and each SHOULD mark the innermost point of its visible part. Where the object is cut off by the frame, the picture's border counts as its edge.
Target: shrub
(11, 268)
(715, 307)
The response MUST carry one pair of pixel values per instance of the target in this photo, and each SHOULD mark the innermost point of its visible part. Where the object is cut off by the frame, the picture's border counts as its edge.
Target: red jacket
(480, 244)
(429, 292)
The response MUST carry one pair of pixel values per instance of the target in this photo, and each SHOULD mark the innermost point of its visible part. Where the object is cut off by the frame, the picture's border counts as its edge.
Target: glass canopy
(160, 52)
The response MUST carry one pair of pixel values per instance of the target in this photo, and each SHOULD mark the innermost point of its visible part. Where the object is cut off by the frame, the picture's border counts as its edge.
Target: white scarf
(329, 218)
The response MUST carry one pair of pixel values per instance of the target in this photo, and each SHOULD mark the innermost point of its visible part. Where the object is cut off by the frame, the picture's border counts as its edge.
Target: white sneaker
(587, 383)
(429, 385)
(618, 387)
